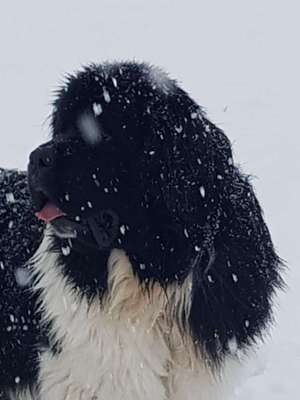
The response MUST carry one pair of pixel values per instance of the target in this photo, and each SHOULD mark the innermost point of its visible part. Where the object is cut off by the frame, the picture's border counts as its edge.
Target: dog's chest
(117, 349)
(127, 346)
(116, 361)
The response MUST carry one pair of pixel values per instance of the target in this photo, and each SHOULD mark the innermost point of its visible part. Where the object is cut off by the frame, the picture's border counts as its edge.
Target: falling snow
(97, 108)
(207, 128)
(202, 191)
(90, 130)
(178, 129)
(106, 95)
(97, 183)
(115, 82)
(22, 276)
(186, 234)
(275, 383)
(10, 198)
(66, 250)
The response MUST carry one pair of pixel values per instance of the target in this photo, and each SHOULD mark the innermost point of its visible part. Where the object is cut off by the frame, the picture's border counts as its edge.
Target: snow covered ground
(239, 59)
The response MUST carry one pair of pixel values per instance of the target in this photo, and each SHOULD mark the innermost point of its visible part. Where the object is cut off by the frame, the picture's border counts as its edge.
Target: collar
(95, 233)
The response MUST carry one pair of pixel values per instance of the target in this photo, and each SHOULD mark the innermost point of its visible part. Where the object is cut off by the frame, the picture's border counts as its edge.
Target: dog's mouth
(97, 232)
(49, 213)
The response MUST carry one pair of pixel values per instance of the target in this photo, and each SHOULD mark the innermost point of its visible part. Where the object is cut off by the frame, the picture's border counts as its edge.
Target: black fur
(168, 173)
(19, 323)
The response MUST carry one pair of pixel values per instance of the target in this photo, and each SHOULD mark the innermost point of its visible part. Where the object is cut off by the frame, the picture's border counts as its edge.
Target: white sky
(237, 58)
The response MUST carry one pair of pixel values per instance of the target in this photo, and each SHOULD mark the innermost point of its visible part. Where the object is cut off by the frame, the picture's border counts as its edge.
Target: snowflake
(10, 198)
(202, 191)
(97, 108)
(106, 95)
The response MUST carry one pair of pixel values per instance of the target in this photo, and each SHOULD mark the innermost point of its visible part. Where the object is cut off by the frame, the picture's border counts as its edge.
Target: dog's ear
(236, 275)
(234, 267)
(188, 162)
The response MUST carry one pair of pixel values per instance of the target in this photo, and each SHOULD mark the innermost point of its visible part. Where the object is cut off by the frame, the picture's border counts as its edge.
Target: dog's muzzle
(95, 231)
(40, 164)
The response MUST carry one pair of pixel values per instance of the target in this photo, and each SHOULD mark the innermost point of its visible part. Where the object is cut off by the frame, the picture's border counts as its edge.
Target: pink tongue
(49, 213)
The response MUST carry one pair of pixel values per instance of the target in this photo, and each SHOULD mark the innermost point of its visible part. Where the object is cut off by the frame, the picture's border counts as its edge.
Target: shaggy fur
(164, 306)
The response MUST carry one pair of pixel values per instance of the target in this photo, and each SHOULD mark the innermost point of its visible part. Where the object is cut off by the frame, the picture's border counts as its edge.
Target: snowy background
(239, 59)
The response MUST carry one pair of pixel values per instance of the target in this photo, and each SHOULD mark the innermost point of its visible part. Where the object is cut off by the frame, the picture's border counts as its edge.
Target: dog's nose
(40, 167)
(42, 157)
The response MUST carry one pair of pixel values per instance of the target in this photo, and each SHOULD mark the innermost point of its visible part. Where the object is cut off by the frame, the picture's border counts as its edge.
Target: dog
(156, 273)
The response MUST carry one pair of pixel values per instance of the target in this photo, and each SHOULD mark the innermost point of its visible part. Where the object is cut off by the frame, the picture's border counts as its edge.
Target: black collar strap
(95, 233)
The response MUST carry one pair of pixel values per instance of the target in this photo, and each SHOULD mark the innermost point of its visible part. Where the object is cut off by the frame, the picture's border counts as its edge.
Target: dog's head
(133, 163)
(130, 152)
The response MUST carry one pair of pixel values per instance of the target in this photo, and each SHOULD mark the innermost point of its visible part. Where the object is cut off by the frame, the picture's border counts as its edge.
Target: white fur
(160, 80)
(25, 394)
(129, 346)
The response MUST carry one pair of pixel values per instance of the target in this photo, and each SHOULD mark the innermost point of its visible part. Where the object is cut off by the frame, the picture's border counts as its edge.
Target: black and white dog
(156, 271)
